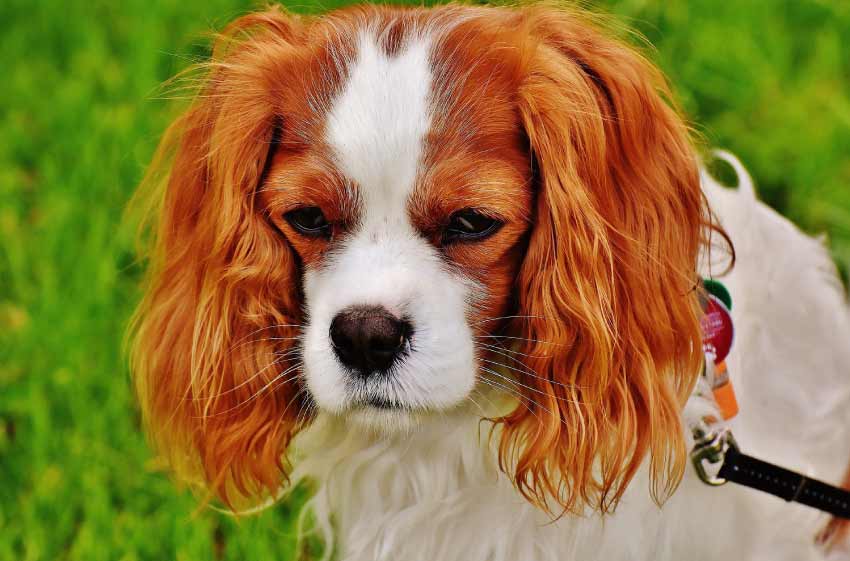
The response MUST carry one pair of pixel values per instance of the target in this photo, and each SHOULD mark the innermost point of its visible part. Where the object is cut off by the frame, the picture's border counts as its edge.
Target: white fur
(436, 493)
(376, 129)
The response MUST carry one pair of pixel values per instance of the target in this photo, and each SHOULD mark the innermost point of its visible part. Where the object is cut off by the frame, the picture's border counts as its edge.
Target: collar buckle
(709, 453)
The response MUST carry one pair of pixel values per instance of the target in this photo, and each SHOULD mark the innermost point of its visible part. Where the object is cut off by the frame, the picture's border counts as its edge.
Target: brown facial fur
(477, 156)
(543, 121)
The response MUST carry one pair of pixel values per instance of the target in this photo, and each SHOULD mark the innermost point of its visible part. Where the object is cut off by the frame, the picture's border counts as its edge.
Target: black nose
(369, 339)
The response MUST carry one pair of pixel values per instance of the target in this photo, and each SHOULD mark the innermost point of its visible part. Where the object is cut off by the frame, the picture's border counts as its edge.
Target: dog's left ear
(606, 300)
(213, 354)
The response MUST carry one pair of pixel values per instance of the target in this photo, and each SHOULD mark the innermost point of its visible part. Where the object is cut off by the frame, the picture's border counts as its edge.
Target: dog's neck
(437, 493)
(419, 495)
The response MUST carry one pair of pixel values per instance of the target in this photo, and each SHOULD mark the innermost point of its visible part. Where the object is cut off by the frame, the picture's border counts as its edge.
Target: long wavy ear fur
(606, 293)
(210, 355)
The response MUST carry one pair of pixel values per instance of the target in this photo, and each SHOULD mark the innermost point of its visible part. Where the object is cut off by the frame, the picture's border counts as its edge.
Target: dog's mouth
(378, 402)
(381, 394)
(385, 417)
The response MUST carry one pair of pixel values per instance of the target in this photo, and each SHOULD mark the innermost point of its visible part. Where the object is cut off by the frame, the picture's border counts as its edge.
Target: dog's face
(372, 214)
(407, 207)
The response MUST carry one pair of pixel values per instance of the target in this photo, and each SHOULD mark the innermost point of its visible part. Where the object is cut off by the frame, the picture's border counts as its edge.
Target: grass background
(78, 123)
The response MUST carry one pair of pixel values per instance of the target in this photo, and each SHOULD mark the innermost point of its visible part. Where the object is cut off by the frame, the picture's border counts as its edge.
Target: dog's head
(373, 213)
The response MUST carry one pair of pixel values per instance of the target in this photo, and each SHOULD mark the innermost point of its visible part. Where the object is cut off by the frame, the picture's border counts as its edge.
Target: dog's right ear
(607, 302)
(212, 341)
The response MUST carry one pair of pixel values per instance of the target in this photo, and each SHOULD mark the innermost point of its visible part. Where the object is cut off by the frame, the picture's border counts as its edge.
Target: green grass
(79, 120)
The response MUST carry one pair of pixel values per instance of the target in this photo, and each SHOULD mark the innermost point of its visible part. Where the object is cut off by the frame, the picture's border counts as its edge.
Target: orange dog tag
(724, 393)
(718, 333)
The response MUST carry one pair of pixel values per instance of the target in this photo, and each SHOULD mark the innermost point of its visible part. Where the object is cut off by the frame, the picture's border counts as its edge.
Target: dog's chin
(382, 420)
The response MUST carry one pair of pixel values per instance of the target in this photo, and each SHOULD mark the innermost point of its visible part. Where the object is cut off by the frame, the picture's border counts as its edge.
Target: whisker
(242, 344)
(300, 411)
(273, 339)
(301, 390)
(516, 339)
(511, 391)
(259, 392)
(281, 356)
(530, 373)
(506, 317)
(306, 409)
(525, 370)
(279, 325)
(511, 351)
(478, 405)
(293, 350)
(278, 360)
(481, 394)
(523, 399)
(494, 373)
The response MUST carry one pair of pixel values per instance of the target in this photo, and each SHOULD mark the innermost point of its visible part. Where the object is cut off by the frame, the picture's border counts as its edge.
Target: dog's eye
(469, 224)
(309, 220)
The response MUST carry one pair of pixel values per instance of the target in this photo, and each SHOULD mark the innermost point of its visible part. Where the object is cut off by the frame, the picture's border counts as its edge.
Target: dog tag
(717, 329)
(724, 393)
(718, 334)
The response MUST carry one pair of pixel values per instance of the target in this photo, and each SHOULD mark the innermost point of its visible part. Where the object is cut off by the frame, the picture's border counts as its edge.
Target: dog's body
(381, 226)
(438, 494)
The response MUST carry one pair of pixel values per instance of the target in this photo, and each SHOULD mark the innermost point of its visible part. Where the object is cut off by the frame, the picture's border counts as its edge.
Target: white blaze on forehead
(378, 123)
(376, 128)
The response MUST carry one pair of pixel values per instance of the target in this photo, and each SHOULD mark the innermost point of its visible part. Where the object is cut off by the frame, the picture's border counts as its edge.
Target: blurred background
(80, 114)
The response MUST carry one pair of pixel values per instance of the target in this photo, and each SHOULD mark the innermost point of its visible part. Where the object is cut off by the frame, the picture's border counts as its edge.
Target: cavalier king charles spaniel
(444, 265)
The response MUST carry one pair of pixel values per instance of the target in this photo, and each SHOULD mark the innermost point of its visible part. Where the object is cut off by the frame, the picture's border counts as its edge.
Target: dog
(445, 264)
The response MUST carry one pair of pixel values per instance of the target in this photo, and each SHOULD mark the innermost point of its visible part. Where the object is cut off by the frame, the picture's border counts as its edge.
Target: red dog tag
(717, 330)
(717, 336)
